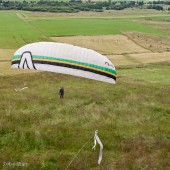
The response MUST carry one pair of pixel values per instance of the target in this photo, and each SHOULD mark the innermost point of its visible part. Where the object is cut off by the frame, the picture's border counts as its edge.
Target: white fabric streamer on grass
(21, 89)
(96, 139)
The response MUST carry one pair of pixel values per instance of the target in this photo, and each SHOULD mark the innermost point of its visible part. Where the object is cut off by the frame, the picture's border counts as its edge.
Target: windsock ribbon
(96, 139)
(21, 89)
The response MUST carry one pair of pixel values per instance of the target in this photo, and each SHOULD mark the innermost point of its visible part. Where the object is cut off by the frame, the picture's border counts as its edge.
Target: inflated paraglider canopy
(66, 59)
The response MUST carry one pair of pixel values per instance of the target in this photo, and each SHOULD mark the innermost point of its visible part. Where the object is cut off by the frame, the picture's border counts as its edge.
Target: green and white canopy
(66, 59)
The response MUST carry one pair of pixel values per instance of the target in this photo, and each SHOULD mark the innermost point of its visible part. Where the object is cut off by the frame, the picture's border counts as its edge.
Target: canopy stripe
(71, 62)
(68, 65)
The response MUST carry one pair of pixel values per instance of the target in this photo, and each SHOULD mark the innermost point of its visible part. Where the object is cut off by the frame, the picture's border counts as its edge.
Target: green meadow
(91, 27)
(15, 32)
(46, 132)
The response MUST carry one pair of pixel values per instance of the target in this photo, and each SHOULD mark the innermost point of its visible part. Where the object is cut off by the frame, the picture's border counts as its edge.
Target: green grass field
(15, 32)
(132, 118)
(91, 27)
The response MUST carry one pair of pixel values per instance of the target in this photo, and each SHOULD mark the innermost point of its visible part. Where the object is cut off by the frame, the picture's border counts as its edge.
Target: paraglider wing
(66, 59)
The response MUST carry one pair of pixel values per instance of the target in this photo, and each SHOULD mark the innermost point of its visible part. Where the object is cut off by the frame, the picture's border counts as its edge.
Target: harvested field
(106, 13)
(151, 42)
(138, 59)
(121, 60)
(5, 54)
(106, 44)
(152, 57)
(6, 69)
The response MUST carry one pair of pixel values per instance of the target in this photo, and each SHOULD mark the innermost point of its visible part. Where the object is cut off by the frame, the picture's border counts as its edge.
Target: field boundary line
(135, 42)
(19, 14)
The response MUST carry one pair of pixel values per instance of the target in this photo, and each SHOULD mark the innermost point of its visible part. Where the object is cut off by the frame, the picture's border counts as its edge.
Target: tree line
(77, 5)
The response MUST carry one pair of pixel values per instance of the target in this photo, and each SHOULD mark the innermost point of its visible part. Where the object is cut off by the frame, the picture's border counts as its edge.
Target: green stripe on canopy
(68, 61)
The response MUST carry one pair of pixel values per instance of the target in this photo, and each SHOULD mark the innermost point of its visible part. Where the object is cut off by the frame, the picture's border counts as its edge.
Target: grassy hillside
(45, 132)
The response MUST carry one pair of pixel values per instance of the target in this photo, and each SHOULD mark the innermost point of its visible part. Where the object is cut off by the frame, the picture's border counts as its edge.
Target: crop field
(106, 44)
(44, 132)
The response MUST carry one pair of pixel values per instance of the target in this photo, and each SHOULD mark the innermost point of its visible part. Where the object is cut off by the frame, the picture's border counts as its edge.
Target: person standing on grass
(61, 92)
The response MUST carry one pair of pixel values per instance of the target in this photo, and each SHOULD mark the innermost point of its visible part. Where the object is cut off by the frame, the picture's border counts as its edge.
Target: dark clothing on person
(61, 92)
